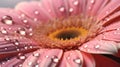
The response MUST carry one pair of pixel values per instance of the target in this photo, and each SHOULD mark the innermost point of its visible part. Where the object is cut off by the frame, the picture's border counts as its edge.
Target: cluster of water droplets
(8, 21)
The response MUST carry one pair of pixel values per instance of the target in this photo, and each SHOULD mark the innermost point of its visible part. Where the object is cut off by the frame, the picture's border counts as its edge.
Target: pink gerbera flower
(61, 33)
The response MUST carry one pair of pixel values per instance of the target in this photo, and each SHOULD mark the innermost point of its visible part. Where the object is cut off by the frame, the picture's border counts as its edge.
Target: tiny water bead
(7, 20)
(65, 33)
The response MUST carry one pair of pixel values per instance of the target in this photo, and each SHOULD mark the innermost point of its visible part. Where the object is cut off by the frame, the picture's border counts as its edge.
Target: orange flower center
(65, 33)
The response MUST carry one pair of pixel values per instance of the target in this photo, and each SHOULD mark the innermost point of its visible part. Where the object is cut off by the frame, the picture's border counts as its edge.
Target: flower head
(60, 33)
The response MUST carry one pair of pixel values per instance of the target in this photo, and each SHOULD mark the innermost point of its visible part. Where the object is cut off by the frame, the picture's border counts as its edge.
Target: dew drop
(16, 42)
(30, 34)
(85, 46)
(36, 65)
(97, 46)
(22, 57)
(55, 59)
(92, 1)
(75, 3)
(7, 20)
(22, 15)
(21, 31)
(30, 63)
(36, 12)
(36, 54)
(6, 48)
(35, 19)
(46, 56)
(78, 61)
(71, 10)
(62, 9)
(18, 49)
(26, 47)
(4, 31)
(25, 21)
(118, 29)
(20, 65)
(7, 39)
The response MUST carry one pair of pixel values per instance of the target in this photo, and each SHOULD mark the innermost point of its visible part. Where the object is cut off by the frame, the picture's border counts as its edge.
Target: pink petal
(99, 47)
(75, 7)
(88, 60)
(94, 6)
(72, 59)
(112, 35)
(15, 61)
(10, 46)
(10, 17)
(108, 9)
(44, 58)
(111, 32)
(102, 61)
(34, 10)
(59, 7)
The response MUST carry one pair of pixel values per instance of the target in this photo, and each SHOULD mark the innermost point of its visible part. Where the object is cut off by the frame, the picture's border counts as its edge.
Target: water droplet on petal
(26, 47)
(55, 59)
(7, 39)
(6, 48)
(36, 12)
(78, 61)
(92, 1)
(75, 2)
(35, 19)
(46, 56)
(20, 65)
(36, 65)
(36, 54)
(25, 21)
(22, 57)
(18, 49)
(30, 34)
(97, 46)
(71, 10)
(118, 29)
(7, 20)
(62, 9)
(16, 42)
(22, 15)
(85, 46)
(30, 63)
(4, 31)
(21, 31)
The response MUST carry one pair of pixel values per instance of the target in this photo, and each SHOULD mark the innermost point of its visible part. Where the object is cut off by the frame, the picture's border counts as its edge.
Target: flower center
(65, 33)
(68, 33)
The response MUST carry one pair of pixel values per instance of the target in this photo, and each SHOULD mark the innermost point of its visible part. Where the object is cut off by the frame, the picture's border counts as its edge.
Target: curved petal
(72, 58)
(111, 32)
(108, 9)
(10, 46)
(10, 17)
(15, 61)
(102, 61)
(94, 6)
(99, 47)
(88, 60)
(33, 10)
(44, 58)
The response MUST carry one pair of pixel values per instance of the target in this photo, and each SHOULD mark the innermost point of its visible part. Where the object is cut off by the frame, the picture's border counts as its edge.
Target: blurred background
(11, 3)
